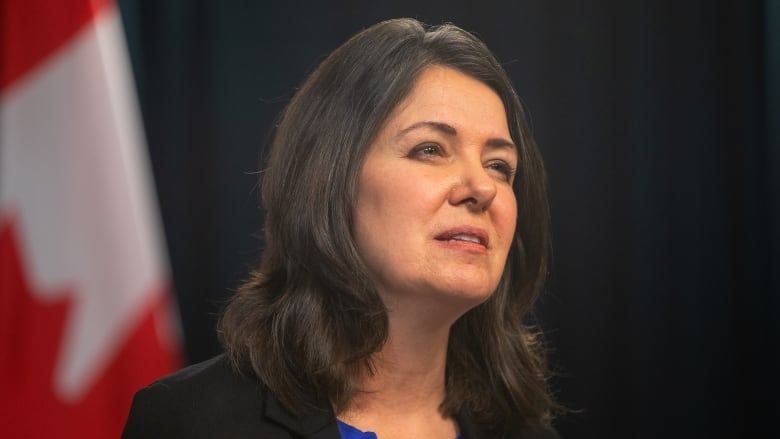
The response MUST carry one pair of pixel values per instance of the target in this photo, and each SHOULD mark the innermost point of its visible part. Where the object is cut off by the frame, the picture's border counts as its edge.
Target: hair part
(309, 320)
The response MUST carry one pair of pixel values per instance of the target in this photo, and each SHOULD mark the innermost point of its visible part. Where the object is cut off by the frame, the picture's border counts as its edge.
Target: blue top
(349, 432)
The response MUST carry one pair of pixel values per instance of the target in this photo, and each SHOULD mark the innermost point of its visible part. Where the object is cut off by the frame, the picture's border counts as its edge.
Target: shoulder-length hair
(309, 320)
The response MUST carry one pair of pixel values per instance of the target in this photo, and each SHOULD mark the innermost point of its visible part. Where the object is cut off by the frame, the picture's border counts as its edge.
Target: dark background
(660, 125)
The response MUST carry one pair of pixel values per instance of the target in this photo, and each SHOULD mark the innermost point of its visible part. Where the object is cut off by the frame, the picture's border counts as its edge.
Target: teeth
(468, 238)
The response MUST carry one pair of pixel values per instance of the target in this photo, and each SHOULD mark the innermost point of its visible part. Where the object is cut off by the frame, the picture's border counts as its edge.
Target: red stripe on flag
(30, 333)
(31, 30)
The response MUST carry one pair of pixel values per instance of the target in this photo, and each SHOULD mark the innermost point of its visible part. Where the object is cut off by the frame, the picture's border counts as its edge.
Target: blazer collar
(317, 422)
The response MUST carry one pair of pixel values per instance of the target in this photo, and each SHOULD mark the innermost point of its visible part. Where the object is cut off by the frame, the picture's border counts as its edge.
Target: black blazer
(211, 400)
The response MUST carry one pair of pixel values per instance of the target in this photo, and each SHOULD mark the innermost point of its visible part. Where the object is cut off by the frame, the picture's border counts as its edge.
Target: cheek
(377, 208)
(376, 200)
(396, 197)
(394, 210)
(506, 217)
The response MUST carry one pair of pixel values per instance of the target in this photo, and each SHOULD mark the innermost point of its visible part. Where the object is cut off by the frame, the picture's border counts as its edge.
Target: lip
(475, 232)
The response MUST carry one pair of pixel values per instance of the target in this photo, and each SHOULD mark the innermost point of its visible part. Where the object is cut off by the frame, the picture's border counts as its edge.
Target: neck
(402, 395)
(408, 380)
(411, 365)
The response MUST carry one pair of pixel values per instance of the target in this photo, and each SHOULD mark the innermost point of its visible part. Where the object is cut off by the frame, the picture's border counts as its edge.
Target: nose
(474, 187)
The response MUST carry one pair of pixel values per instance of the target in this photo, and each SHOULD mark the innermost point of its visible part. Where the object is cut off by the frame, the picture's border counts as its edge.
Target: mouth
(464, 234)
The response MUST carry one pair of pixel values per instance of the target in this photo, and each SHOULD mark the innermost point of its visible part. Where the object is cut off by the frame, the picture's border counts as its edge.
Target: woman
(406, 237)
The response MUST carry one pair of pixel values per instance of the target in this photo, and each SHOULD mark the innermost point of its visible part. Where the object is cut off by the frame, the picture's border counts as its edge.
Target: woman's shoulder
(215, 369)
(204, 396)
(214, 379)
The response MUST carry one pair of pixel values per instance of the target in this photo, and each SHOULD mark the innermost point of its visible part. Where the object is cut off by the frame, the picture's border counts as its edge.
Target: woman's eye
(427, 150)
(507, 172)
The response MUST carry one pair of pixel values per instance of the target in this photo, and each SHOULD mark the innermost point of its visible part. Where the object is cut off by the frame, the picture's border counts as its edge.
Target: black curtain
(660, 126)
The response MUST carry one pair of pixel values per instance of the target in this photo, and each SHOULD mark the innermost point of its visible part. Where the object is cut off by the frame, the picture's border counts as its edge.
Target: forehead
(447, 95)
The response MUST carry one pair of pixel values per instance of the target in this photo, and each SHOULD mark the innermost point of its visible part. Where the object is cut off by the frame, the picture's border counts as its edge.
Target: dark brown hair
(309, 320)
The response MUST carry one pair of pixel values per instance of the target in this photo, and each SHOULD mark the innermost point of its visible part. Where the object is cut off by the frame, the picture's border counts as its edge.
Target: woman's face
(435, 212)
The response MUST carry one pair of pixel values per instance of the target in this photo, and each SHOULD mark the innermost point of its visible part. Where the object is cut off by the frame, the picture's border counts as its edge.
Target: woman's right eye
(426, 150)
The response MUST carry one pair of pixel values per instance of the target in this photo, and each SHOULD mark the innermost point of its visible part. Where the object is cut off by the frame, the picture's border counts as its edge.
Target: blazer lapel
(316, 423)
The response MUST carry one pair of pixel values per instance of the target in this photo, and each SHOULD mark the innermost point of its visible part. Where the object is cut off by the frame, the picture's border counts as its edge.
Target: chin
(469, 293)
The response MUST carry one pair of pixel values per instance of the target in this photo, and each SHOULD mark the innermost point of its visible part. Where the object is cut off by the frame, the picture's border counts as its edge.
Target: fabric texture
(349, 432)
(212, 400)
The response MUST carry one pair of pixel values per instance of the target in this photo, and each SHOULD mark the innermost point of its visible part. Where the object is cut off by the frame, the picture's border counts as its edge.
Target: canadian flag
(85, 310)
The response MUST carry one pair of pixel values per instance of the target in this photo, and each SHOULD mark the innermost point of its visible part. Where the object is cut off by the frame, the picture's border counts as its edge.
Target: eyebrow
(450, 131)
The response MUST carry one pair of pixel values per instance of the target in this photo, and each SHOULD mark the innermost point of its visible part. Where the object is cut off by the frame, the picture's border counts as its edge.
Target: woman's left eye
(503, 168)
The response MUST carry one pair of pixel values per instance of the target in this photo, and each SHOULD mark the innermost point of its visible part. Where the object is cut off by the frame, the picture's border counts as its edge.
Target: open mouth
(472, 236)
